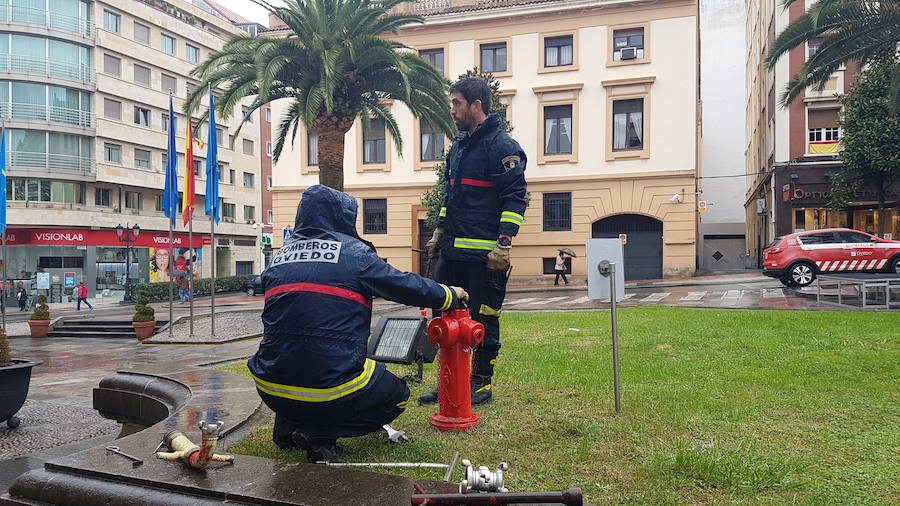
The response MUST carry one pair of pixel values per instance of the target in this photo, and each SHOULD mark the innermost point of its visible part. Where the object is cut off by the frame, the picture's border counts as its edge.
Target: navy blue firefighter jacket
(318, 309)
(485, 194)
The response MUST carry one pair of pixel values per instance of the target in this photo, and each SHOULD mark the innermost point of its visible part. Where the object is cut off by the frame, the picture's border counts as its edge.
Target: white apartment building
(85, 94)
(603, 98)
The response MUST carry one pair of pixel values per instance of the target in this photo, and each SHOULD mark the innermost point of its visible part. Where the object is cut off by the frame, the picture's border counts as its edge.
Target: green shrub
(160, 291)
(143, 312)
(42, 311)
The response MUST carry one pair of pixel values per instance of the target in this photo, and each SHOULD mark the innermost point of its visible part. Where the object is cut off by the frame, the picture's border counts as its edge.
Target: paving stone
(46, 424)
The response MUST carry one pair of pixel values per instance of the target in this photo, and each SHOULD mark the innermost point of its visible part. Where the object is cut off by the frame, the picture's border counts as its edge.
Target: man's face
(462, 111)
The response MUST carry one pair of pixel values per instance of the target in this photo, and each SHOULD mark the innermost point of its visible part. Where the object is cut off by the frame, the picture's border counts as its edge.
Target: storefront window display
(185, 258)
(813, 219)
(111, 269)
(865, 220)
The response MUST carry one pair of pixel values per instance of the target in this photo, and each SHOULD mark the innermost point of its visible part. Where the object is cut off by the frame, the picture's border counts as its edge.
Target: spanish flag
(187, 198)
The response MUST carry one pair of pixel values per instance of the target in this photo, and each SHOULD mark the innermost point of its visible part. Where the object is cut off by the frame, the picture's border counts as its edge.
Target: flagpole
(191, 269)
(5, 224)
(5, 257)
(212, 221)
(172, 208)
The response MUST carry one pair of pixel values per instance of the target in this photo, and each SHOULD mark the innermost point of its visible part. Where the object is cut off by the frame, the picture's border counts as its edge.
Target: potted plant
(40, 318)
(15, 377)
(144, 319)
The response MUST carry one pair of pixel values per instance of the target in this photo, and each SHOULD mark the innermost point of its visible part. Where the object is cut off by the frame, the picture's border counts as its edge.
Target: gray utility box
(609, 250)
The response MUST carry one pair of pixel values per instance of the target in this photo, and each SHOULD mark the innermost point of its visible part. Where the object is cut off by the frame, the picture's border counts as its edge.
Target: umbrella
(567, 251)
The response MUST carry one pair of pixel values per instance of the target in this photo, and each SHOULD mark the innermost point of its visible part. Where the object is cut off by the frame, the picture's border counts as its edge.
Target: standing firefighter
(311, 368)
(483, 209)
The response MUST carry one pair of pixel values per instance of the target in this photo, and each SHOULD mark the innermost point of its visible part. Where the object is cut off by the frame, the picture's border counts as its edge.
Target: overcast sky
(247, 9)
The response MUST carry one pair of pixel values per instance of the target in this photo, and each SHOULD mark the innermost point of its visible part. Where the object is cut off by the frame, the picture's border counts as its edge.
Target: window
(230, 174)
(112, 21)
(248, 180)
(823, 131)
(220, 137)
(248, 147)
(112, 109)
(112, 153)
(142, 75)
(268, 114)
(191, 53)
(165, 160)
(142, 33)
(133, 200)
(189, 88)
(198, 167)
(141, 158)
(821, 238)
(158, 203)
(557, 129)
(248, 114)
(269, 185)
(558, 51)
(167, 43)
(243, 268)
(228, 211)
(812, 47)
(141, 116)
(628, 125)
(435, 57)
(269, 216)
(102, 197)
(312, 148)
(493, 57)
(164, 121)
(854, 237)
(169, 84)
(557, 211)
(628, 44)
(373, 142)
(432, 139)
(374, 216)
(250, 213)
(112, 65)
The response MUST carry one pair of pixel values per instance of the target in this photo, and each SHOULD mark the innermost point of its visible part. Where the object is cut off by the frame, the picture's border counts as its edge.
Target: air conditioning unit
(761, 206)
(628, 53)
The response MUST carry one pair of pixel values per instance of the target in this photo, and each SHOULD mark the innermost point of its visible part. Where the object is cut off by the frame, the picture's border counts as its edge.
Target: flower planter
(39, 328)
(144, 330)
(14, 382)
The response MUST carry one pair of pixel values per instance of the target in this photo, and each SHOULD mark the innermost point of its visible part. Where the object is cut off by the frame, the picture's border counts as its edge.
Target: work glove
(431, 247)
(461, 294)
(498, 259)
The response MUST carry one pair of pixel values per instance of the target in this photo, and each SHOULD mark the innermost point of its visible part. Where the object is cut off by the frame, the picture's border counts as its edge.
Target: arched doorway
(643, 248)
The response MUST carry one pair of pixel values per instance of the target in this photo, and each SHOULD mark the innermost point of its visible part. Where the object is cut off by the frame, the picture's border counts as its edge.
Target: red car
(796, 259)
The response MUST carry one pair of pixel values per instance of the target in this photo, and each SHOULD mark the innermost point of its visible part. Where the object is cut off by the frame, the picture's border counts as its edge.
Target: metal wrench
(395, 436)
(134, 460)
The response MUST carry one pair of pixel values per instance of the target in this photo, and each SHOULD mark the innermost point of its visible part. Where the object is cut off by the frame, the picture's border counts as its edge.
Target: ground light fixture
(402, 340)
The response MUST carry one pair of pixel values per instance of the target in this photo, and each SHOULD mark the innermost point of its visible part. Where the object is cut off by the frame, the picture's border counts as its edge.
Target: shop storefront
(801, 203)
(54, 261)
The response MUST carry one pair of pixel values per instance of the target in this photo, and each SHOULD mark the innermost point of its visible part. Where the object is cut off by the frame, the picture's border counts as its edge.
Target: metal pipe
(569, 497)
(433, 465)
(615, 335)
(449, 473)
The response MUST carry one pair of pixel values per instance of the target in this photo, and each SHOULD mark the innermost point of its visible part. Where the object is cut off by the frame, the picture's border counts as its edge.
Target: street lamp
(128, 235)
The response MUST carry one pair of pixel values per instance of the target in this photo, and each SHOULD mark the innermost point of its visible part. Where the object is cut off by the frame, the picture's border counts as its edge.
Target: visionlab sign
(49, 236)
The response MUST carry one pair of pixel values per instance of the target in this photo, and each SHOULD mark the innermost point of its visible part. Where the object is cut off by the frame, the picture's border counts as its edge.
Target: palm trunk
(332, 130)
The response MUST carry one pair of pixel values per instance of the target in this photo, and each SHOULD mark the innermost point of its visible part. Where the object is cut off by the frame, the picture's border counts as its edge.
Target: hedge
(160, 291)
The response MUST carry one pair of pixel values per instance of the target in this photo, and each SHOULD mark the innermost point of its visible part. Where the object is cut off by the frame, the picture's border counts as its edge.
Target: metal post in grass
(603, 256)
(615, 336)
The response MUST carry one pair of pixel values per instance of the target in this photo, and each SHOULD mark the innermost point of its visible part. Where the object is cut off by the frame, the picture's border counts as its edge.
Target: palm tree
(335, 67)
(849, 30)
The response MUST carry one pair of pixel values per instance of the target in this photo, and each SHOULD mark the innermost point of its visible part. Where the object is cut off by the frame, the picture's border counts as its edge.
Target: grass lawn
(718, 406)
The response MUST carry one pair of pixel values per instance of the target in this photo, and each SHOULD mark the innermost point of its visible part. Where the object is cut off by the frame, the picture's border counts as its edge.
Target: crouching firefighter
(483, 207)
(311, 367)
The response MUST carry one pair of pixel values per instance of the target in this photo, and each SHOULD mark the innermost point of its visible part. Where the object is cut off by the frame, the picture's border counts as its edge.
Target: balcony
(40, 112)
(46, 67)
(52, 162)
(40, 17)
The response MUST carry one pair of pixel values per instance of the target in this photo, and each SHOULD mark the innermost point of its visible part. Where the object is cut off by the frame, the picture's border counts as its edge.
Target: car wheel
(786, 281)
(251, 292)
(894, 266)
(802, 274)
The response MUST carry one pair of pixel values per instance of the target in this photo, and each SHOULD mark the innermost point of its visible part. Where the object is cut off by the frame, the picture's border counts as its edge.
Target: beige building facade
(87, 134)
(602, 96)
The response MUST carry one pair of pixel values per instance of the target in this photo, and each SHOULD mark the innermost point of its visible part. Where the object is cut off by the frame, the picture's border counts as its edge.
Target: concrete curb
(660, 284)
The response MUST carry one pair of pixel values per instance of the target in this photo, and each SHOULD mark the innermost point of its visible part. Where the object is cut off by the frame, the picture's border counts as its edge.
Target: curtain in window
(29, 11)
(550, 136)
(66, 59)
(64, 144)
(25, 47)
(565, 135)
(426, 146)
(637, 123)
(552, 56)
(28, 141)
(312, 146)
(67, 14)
(565, 55)
(619, 122)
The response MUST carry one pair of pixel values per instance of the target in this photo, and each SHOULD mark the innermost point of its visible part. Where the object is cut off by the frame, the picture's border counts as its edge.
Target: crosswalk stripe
(624, 297)
(519, 301)
(693, 296)
(772, 293)
(547, 301)
(655, 297)
(733, 294)
(579, 300)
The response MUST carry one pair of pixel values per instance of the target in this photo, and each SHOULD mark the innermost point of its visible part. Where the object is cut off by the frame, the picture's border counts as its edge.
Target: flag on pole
(3, 180)
(212, 164)
(170, 193)
(187, 199)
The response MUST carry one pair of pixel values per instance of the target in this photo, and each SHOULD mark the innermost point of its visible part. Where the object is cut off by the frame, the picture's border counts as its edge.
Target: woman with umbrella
(560, 267)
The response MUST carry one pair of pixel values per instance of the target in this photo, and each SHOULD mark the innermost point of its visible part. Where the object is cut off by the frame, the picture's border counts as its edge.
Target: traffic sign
(701, 206)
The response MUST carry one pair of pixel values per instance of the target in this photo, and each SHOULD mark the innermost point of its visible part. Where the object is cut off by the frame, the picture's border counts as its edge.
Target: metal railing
(40, 112)
(43, 17)
(425, 7)
(51, 161)
(45, 66)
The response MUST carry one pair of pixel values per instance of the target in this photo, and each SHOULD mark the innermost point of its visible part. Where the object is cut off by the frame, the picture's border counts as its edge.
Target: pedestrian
(21, 296)
(82, 296)
(184, 288)
(560, 268)
(311, 367)
(483, 208)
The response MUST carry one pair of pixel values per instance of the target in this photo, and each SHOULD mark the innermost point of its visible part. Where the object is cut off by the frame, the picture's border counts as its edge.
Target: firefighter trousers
(486, 288)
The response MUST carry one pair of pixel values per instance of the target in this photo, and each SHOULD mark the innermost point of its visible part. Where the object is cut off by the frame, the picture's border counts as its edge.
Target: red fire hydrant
(455, 334)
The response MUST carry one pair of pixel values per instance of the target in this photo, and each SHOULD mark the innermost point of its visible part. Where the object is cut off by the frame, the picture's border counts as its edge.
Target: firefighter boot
(481, 376)
(317, 450)
(429, 398)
